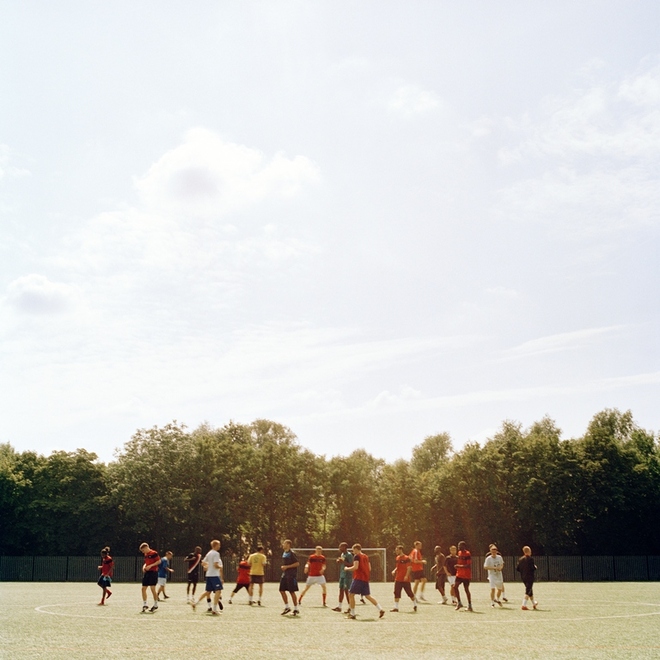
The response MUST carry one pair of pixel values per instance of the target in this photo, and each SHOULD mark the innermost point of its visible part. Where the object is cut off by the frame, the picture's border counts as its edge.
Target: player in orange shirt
(149, 575)
(242, 579)
(417, 575)
(464, 575)
(361, 571)
(401, 574)
(315, 570)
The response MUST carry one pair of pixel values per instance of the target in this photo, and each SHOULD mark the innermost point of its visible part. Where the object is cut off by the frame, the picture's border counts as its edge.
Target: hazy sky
(368, 221)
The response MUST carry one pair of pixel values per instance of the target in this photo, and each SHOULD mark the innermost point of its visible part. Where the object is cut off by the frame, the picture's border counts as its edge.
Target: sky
(368, 221)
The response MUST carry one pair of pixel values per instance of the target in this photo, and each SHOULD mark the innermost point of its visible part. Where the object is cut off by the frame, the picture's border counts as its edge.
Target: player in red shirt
(106, 567)
(401, 574)
(463, 575)
(149, 575)
(315, 569)
(418, 563)
(361, 571)
(243, 578)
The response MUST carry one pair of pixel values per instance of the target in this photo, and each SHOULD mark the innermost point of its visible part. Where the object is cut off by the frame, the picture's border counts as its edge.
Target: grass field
(574, 620)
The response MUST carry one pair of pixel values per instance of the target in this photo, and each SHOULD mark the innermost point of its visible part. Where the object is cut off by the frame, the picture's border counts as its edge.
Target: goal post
(377, 558)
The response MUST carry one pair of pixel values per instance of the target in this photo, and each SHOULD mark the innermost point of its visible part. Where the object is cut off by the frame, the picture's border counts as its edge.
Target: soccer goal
(377, 558)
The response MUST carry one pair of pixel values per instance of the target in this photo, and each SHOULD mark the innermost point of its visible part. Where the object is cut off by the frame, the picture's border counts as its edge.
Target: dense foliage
(598, 494)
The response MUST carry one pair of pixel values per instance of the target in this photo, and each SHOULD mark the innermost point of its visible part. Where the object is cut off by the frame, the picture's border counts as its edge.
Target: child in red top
(464, 575)
(106, 568)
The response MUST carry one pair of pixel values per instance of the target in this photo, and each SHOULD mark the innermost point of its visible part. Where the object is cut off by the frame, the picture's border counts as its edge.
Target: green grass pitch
(574, 620)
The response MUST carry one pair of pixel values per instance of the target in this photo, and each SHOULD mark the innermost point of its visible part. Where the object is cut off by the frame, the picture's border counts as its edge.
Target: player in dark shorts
(441, 575)
(193, 560)
(345, 559)
(526, 567)
(401, 574)
(149, 575)
(289, 579)
(361, 571)
(106, 568)
(464, 575)
(242, 579)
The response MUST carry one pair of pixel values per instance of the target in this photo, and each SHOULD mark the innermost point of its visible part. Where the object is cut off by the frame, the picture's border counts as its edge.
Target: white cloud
(411, 101)
(388, 399)
(597, 151)
(208, 176)
(6, 168)
(564, 341)
(36, 294)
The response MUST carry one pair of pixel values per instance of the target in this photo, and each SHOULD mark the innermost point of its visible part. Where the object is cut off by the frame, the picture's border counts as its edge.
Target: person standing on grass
(441, 574)
(106, 568)
(526, 567)
(361, 571)
(149, 575)
(418, 564)
(463, 575)
(494, 564)
(401, 574)
(212, 564)
(345, 559)
(193, 560)
(450, 568)
(163, 571)
(257, 561)
(289, 579)
(242, 580)
(315, 569)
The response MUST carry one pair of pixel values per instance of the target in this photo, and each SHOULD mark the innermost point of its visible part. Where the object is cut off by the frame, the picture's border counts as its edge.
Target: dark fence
(129, 569)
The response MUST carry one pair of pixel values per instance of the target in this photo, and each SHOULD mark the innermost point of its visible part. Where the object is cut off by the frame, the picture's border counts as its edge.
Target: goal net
(377, 559)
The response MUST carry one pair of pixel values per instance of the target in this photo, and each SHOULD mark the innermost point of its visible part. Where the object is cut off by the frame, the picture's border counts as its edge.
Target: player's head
(318, 549)
(198, 548)
(462, 545)
(417, 544)
(357, 547)
(343, 546)
(286, 544)
(527, 551)
(168, 554)
(452, 549)
(437, 550)
(493, 549)
(144, 548)
(399, 550)
(260, 548)
(215, 544)
(106, 550)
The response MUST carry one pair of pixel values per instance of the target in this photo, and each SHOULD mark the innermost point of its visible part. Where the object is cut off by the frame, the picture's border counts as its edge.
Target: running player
(401, 574)
(149, 576)
(258, 562)
(163, 571)
(106, 568)
(315, 569)
(464, 575)
(526, 567)
(494, 564)
(193, 560)
(212, 564)
(418, 564)
(345, 559)
(361, 571)
(242, 579)
(289, 579)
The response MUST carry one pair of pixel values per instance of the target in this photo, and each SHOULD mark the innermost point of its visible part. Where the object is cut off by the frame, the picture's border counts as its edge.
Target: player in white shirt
(494, 564)
(214, 576)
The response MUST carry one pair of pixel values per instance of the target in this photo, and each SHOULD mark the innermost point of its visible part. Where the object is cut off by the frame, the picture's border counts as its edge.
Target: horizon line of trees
(250, 484)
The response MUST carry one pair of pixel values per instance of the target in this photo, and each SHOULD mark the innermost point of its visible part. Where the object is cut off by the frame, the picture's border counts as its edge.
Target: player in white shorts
(494, 564)
(315, 569)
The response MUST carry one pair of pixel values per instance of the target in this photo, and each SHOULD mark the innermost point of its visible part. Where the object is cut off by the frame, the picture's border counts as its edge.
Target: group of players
(454, 569)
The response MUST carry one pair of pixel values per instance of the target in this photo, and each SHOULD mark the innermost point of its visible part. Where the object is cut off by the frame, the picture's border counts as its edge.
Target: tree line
(250, 484)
